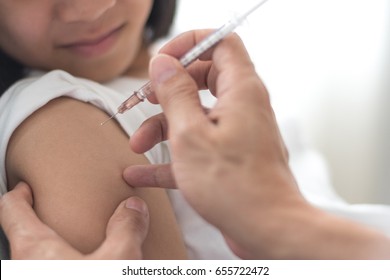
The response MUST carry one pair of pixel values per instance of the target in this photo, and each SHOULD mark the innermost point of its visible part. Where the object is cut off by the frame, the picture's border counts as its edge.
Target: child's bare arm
(74, 167)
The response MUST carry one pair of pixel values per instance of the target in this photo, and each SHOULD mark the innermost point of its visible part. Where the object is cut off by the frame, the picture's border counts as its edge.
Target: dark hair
(10, 71)
(161, 18)
(158, 25)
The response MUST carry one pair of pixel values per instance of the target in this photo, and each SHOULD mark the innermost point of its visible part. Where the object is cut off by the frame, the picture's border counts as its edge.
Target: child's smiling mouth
(95, 46)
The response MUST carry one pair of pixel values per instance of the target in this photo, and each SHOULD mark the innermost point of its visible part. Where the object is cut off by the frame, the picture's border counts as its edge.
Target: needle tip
(106, 121)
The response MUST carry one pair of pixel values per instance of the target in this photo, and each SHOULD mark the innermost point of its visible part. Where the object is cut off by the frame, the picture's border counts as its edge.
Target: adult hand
(229, 162)
(31, 239)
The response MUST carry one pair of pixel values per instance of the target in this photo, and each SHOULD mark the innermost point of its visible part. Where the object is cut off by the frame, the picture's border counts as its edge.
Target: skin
(73, 166)
(259, 208)
(40, 33)
(31, 239)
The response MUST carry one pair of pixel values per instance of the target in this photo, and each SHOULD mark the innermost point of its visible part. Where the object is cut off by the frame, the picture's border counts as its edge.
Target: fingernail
(162, 68)
(136, 204)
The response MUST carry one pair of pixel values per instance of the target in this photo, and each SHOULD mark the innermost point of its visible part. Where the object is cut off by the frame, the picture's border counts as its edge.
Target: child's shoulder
(31, 95)
(33, 92)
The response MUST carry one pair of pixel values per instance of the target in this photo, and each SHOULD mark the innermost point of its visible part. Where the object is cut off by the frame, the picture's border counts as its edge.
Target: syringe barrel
(209, 42)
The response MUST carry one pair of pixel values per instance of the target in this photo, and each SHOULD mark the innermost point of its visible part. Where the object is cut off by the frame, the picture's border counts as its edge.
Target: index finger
(180, 45)
(231, 46)
(232, 71)
(228, 59)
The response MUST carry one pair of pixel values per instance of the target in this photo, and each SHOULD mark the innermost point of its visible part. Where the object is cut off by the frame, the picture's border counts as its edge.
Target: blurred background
(326, 65)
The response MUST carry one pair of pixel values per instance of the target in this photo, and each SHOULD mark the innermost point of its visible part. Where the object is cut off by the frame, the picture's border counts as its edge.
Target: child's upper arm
(74, 166)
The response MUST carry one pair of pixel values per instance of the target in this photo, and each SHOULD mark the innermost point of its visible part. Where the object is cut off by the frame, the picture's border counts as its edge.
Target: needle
(103, 123)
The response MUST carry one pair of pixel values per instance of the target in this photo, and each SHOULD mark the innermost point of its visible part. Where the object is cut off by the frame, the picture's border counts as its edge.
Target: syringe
(142, 93)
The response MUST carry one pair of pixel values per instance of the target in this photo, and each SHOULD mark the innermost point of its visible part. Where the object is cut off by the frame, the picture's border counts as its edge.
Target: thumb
(126, 231)
(176, 92)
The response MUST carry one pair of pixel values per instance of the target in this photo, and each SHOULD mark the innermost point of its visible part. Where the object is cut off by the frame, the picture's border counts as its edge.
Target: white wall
(324, 63)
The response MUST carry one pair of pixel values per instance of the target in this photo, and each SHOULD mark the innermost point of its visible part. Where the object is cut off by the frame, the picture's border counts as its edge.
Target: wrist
(338, 238)
(286, 229)
(305, 232)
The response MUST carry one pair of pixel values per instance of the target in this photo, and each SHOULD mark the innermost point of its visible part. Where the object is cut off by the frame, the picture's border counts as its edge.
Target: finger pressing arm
(126, 232)
(31, 239)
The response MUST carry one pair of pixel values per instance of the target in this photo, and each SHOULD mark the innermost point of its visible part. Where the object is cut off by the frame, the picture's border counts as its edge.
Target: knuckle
(6, 199)
(136, 251)
(12, 198)
(181, 82)
(235, 38)
(186, 134)
(136, 222)
(163, 176)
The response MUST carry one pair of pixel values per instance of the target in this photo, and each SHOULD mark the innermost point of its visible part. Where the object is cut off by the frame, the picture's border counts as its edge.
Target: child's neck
(140, 67)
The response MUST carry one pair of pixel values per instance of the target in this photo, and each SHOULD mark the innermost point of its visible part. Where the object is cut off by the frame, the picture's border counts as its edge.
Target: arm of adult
(31, 239)
(231, 164)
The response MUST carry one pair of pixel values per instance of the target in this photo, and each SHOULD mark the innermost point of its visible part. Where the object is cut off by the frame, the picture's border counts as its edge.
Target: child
(51, 136)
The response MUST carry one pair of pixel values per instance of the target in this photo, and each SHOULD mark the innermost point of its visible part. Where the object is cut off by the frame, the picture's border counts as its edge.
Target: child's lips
(95, 46)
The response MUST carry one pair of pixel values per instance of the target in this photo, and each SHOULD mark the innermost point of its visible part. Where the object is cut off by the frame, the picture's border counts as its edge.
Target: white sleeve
(28, 95)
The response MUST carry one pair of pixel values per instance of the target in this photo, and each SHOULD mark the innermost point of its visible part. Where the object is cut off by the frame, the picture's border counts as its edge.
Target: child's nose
(82, 10)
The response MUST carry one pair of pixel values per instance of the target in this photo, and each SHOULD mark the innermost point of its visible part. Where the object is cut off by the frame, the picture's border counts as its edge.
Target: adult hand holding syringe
(193, 54)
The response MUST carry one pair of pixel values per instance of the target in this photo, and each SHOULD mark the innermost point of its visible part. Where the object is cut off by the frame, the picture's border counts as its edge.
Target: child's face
(96, 39)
